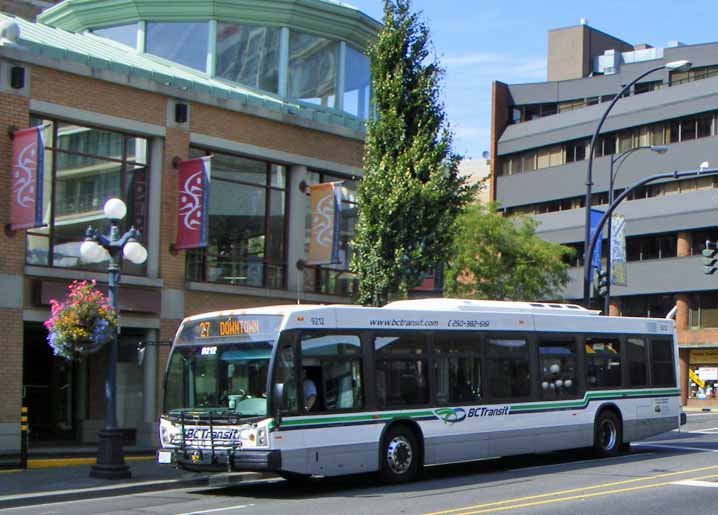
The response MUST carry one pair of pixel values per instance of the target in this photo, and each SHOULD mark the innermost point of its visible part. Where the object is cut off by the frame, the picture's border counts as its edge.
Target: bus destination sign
(228, 326)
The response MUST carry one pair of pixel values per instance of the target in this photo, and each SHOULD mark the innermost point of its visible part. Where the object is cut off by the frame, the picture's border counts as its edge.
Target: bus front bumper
(206, 460)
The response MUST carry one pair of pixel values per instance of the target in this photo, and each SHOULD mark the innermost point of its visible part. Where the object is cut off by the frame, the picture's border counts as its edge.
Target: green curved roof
(322, 17)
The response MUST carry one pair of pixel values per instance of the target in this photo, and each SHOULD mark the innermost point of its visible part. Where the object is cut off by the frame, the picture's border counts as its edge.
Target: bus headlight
(262, 437)
(169, 433)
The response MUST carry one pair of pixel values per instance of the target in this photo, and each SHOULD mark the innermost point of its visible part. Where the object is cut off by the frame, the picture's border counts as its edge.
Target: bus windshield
(230, 378)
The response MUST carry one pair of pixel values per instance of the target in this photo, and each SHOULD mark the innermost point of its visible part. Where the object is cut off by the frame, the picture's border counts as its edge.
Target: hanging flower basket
(82, 324)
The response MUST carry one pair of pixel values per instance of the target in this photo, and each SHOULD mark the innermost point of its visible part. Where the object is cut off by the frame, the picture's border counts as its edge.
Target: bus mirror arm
(278, 402)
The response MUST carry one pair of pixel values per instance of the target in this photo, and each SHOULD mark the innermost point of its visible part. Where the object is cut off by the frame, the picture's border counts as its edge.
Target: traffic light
(710, 257)
(602, 283)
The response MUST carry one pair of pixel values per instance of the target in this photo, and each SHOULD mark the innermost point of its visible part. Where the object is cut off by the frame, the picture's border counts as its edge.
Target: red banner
(193, 203)
(28, 151)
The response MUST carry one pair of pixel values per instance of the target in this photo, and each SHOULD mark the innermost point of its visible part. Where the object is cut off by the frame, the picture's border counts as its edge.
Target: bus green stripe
(592, 396)
(358, 418)
(539, 406)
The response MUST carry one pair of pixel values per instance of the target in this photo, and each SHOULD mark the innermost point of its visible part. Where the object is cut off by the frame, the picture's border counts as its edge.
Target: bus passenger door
(289, 441)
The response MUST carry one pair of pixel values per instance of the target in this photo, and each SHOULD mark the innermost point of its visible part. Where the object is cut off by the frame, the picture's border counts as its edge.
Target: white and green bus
(327, 390)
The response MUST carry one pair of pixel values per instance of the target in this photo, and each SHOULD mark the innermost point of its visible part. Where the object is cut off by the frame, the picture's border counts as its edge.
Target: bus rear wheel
(607, 439)
(399, 456)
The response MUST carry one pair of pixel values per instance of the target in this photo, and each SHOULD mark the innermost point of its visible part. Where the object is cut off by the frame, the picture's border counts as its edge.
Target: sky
(479, 41)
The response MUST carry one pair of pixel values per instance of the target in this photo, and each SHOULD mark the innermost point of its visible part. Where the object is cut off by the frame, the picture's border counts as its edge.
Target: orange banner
(324, 236)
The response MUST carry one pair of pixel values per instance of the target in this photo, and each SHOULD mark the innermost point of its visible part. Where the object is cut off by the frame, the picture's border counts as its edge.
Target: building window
(704, 310)
(247, 224)
(333, 279)
(356, 84)
(85, 167)
(248, 55)
(125, 34)
(313, 66)
(650, 306)
(183, 43)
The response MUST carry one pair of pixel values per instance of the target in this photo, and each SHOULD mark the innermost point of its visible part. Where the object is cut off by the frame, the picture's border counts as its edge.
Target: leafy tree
(411, 193)
(501, 258)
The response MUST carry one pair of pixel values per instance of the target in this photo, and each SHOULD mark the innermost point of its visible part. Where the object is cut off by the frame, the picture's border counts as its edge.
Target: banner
(596, 261)
(324, 235)
(193, 203)
(28, 169)
(618, 251)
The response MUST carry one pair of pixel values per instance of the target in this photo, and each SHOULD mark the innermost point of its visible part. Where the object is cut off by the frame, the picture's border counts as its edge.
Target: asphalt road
(675, 473)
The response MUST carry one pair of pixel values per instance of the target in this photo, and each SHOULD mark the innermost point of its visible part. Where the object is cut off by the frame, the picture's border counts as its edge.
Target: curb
(213, 481)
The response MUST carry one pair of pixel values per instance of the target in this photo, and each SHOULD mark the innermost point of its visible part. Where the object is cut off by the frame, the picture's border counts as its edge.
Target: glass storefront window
(248, 55)
(333, 279)
(313, 65)
(183, 43)
(247, 224)
(125, 34)
(356, 84)
(85, 167)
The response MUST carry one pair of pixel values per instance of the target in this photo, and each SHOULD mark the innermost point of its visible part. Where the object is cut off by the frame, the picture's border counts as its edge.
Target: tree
(501, 258)
(411, 193)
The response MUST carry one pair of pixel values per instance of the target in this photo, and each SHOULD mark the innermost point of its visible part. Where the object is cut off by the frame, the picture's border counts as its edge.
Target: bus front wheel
(607, 438)
(399, 456)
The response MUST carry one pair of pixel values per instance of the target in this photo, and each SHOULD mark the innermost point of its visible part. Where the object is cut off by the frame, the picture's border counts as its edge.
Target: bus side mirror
(279, 402)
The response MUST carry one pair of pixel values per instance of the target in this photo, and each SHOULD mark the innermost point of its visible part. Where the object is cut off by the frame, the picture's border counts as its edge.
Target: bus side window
(401, 373)
(603, 362)
(333, 363)
(457, 368)
(557, 362)
(637, 361)
(663, 370)
(507, 369)
(287, 374)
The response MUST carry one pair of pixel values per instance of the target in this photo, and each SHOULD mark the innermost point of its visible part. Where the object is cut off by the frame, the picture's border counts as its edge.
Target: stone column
(685, 242)
(683, 303)
(684, 359)
(296, 230)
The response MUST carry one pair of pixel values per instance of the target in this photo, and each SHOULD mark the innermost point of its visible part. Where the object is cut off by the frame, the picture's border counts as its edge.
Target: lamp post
(682, 65)
(110, 456)
(659, 149)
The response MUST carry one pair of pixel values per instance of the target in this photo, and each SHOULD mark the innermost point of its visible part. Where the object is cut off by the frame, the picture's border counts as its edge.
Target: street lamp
(681, 65)
(96, 248)
(658, 149)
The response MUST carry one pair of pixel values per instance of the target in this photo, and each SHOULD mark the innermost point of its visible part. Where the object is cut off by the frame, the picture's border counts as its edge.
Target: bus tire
(399, 455)
(607, 437)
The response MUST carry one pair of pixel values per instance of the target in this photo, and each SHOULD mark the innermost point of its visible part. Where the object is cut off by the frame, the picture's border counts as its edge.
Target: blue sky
(479, 41)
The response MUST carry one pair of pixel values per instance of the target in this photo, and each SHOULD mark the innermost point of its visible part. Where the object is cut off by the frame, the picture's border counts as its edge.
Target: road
(674, 473)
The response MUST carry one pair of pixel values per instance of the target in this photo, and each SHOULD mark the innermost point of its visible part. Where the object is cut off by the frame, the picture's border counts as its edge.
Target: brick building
(276, 91)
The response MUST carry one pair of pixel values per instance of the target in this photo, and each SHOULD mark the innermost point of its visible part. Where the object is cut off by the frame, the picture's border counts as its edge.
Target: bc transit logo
(451, 415)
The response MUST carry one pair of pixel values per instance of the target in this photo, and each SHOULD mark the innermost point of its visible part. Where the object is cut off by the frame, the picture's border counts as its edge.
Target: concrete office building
(540, 139)
(276, 90)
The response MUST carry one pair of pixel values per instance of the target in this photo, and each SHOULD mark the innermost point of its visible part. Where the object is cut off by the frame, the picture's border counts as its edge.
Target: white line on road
(217, 509)
(691, 482)
(677, 447)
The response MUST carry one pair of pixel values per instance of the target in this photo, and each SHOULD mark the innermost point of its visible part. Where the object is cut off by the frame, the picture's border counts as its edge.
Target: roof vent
(583, 21)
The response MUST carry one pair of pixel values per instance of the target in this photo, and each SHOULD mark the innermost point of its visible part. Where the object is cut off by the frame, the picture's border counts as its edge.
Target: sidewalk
(70, 482)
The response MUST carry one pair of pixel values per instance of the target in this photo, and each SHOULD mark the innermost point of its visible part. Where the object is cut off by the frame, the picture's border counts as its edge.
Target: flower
(83, 323)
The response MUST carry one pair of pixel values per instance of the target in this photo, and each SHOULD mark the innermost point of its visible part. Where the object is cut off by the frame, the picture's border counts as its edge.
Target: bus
(325, 390)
